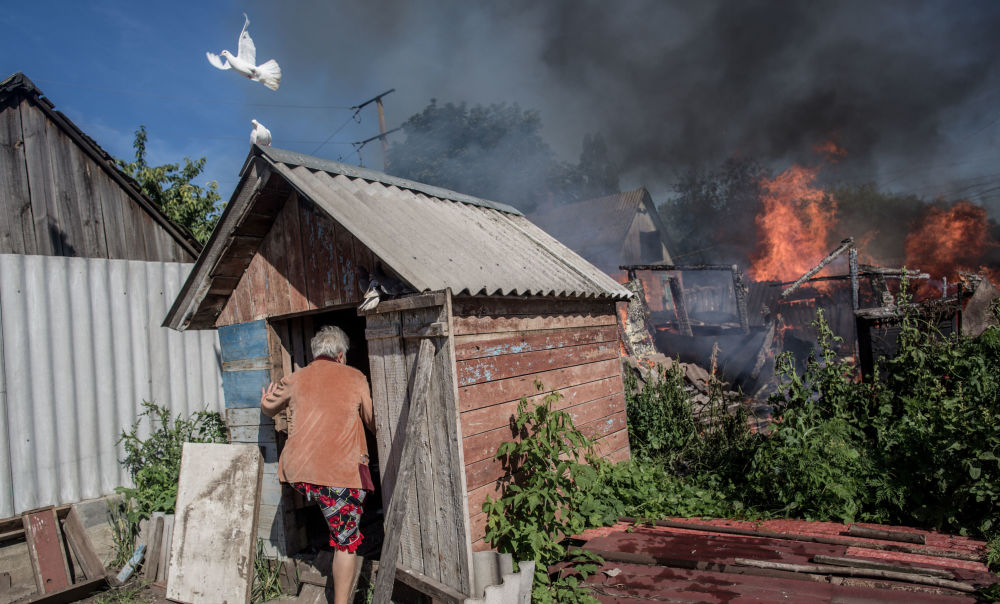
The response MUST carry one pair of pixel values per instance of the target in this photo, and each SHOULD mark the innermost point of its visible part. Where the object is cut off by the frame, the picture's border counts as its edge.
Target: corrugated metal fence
(81, 347)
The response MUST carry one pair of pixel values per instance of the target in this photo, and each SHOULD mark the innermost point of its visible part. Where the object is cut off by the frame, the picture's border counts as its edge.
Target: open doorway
(295, 335)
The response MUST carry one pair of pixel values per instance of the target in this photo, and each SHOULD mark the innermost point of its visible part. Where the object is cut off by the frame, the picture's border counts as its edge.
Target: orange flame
(794, 226)
(831, 150)
(949, 239)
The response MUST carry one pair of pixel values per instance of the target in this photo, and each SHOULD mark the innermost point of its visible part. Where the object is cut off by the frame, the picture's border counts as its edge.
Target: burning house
(792, 273)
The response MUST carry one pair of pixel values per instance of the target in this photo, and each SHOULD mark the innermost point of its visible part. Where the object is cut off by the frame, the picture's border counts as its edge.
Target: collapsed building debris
(700, 326)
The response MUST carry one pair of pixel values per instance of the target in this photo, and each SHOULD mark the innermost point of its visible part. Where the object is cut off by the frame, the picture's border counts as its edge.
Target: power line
(91, 127)
(341, 127)
(195, 99)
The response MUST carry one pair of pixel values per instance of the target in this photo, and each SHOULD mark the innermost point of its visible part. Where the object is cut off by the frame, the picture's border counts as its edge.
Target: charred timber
(852, 256)
(740, 290)
(861, 273)
(929, 308)
(844, 245)
(869, 269)
(676, 267)
(677, 292)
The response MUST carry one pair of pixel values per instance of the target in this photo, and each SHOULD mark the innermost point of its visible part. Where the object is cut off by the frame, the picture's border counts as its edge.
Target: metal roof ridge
(317, 163)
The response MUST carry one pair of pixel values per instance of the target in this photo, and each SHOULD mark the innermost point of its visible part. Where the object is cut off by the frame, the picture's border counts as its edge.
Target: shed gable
(307, 261)
(62, 195)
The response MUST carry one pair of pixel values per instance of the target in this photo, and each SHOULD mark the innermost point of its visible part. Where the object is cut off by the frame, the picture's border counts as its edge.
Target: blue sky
(908, 87)
(112, 66)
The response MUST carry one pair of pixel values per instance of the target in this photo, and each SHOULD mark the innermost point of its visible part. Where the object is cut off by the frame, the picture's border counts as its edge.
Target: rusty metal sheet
(677, 564)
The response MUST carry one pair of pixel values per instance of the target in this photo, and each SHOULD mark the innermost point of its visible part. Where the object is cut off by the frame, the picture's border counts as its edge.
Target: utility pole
(381, 125)
(381, 129)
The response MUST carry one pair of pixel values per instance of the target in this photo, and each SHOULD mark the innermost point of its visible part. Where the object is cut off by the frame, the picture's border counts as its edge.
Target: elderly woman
(326, 455)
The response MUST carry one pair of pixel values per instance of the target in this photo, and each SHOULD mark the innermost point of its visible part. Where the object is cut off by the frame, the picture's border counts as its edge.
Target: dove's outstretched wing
(216, 61)
(246, 50)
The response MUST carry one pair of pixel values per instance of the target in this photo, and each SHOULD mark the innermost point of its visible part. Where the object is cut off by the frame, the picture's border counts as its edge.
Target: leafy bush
(663, 424)
(915, 445)
(540, 500)
(154, 462)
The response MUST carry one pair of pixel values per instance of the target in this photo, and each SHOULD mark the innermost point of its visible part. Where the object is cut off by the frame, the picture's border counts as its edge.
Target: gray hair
(330, 341)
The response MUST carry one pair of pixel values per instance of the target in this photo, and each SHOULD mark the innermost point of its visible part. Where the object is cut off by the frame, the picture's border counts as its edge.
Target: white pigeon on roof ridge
(245, 61)
(260, 135)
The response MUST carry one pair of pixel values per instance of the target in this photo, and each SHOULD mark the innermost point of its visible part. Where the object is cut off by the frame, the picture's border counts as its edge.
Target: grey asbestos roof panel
(434, 238)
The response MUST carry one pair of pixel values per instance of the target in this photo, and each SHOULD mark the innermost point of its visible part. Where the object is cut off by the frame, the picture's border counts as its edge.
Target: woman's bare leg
(343, 575)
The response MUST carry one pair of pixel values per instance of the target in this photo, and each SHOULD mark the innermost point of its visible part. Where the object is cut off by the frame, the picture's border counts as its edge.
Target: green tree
(170, 188)
(712, 218)
(497, 152)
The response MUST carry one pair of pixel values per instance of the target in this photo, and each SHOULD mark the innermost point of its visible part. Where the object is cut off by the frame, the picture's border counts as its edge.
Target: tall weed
(547, 469)
(154, 464)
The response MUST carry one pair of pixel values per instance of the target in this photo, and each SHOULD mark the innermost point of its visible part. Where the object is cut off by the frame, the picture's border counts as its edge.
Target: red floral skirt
(342, 509)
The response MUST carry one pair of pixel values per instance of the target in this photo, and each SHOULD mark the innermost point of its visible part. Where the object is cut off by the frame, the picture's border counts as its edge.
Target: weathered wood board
(41, 531)
(63, 197)
(213, 544)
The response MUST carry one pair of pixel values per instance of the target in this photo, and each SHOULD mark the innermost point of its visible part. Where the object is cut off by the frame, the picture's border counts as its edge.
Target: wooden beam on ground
(90, 562)
(866, 573)
(416, 418)
(73, 593)
(436, 590)
(940, 573)
(870, 533)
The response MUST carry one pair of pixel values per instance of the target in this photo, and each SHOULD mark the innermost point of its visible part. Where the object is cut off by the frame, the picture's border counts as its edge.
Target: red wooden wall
(306, 262)
(502, 346)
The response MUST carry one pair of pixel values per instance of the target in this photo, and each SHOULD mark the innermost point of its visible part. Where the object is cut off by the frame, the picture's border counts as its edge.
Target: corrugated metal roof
(433, 242)
(317, 163)
(430, 237)
(81, 347)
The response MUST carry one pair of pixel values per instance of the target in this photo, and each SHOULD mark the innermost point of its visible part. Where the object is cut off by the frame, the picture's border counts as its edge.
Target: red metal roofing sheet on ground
(680, 565)
(660, 584)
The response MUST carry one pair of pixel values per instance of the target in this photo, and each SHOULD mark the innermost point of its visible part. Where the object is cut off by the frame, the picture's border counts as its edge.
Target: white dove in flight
(260, 135)
(245, 61)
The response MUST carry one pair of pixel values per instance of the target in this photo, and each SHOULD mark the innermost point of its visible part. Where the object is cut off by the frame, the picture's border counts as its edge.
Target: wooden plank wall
(435, 537)
(306, 262)
(57, 201)
(502, 346)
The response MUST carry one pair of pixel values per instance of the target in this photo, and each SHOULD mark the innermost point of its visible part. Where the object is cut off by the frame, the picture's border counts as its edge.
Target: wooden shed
(504, 304)
(62, 195)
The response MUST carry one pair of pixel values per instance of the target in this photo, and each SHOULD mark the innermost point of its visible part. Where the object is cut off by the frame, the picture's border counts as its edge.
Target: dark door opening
(295, 335)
